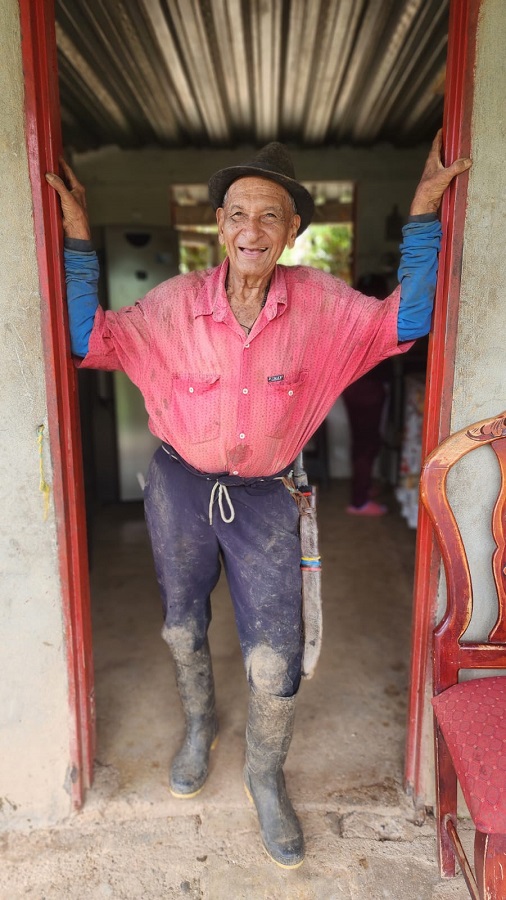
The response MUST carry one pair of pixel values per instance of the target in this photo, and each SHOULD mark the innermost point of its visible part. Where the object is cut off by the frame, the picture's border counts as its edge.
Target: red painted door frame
(43, 139)
(441, 363)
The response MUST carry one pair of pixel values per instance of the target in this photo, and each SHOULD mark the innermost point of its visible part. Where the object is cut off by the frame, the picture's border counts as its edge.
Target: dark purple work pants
(260, 550)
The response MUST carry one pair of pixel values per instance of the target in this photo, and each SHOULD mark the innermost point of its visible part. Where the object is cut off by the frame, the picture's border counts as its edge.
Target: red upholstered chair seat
(472, 717)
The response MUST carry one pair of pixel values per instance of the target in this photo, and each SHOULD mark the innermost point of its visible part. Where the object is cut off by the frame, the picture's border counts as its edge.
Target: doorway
(457, 135)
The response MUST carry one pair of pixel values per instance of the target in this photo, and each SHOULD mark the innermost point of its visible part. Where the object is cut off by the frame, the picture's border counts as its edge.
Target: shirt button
(290, 393)
(246, 346)
(242, 436)
(235, 472)
(245, 390)
(191, 390)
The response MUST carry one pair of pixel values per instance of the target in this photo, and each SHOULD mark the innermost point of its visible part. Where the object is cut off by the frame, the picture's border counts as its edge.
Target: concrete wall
(480, 367)
(480, 371)
(34, 725)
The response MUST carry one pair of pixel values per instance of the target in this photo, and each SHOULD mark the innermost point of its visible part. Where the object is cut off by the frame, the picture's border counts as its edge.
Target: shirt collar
(212, 298)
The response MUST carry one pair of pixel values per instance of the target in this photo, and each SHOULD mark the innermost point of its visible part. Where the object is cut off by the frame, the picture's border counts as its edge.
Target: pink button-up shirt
(241, 404)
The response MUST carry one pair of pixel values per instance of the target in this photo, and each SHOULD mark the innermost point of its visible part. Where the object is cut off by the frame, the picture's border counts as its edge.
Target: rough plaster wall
(480, 370)
(133, 186)
(33, 680)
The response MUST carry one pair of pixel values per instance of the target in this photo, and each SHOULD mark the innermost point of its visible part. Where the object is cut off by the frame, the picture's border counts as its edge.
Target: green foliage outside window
(193, 257)
(326, 247)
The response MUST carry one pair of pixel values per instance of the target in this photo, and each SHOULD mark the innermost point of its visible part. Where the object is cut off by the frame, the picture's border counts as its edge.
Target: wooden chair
(470, 716)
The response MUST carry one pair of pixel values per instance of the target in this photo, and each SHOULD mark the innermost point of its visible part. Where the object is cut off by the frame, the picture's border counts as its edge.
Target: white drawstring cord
(221, 490)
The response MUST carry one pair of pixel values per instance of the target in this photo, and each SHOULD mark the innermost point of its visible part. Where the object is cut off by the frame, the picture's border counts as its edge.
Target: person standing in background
(365, 401)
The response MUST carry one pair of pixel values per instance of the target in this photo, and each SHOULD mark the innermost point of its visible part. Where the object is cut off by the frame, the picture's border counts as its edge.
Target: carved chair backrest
(452, 651)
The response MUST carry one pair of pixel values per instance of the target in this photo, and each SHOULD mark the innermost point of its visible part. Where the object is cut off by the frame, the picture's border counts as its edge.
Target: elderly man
(238, 366)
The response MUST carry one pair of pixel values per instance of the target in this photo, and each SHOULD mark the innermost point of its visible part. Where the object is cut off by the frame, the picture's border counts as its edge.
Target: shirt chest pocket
(282, 403)
(196, 406)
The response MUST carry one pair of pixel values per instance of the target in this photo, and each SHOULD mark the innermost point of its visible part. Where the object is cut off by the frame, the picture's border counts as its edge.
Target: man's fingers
(436, 178)
(57, 183)
(69, 174)
(73, 193)
(69, 203)
(68, 184)
(73, 203)
(456, 168)
(460, 165)
(437, 143)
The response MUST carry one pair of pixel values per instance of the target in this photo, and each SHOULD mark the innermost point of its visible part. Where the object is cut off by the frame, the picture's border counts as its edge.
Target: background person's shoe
(371, 508)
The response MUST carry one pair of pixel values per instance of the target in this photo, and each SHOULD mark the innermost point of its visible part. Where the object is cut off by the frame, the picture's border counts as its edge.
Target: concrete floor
(344, 770)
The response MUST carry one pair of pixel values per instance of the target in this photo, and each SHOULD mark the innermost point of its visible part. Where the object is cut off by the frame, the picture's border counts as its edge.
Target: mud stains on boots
(194, 676)
(268, 736)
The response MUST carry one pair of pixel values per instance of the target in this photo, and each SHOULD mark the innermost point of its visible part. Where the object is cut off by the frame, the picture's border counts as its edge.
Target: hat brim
(220, 182)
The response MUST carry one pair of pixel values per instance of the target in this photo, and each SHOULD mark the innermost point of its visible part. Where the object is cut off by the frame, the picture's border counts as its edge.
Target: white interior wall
(34, 726)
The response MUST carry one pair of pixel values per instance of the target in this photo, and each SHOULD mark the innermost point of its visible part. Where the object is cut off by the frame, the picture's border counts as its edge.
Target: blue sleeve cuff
(83, 246)
(423, 217)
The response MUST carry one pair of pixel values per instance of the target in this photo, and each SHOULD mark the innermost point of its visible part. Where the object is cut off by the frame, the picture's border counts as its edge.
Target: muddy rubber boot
(194, 677)
(268, 736)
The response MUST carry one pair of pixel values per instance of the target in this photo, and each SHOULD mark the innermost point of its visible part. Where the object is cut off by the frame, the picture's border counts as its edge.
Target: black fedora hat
(273, 162)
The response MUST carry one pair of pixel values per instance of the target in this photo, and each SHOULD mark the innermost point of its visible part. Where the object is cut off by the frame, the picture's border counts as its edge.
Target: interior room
(155, 98)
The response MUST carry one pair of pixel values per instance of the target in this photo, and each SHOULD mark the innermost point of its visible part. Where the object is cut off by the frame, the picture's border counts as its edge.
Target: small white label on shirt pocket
(282, 399)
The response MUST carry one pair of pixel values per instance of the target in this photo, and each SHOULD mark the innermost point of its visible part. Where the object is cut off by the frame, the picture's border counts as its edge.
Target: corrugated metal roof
(221, 72)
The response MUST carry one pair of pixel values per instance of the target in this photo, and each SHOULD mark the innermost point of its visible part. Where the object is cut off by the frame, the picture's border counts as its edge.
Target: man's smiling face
(255, 224)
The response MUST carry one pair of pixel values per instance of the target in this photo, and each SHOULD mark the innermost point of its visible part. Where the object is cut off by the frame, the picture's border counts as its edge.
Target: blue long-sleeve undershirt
(417, 277)
(81, 275)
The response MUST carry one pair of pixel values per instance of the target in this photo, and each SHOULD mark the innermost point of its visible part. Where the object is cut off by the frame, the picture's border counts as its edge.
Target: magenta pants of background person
(364, 401)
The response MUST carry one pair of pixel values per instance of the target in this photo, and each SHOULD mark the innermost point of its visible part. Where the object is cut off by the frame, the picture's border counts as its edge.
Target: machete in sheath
(305, 497)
